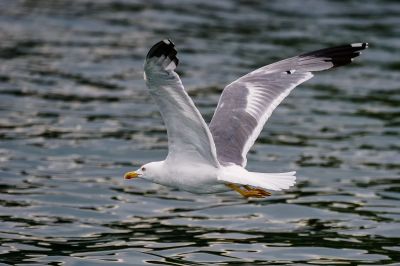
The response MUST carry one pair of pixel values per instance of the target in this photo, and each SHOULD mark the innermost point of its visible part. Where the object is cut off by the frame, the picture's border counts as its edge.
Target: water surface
(75, 115)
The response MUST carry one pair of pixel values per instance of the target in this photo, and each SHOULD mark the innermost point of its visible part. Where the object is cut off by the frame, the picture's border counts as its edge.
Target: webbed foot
(248, 191)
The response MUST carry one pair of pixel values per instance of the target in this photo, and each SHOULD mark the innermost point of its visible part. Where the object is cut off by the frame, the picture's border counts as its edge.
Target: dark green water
(75, 115)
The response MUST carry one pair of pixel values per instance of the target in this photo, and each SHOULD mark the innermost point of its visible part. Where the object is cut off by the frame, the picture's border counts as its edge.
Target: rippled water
(75, 115)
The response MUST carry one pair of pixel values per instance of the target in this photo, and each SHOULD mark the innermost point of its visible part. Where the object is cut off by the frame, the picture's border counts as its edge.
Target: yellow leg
(249, 191)
(266, 193)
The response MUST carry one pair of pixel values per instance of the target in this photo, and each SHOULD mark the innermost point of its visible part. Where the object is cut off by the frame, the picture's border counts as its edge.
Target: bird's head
(146, 171)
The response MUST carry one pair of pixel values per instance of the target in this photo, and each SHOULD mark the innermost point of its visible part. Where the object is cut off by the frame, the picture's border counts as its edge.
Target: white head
(147, 171)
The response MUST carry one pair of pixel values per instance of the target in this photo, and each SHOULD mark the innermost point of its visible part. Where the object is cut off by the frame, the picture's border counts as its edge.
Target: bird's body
(212, 159)
(192, 177)
(203, 178)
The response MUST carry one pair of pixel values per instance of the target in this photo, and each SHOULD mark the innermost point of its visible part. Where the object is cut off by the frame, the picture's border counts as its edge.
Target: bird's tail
(274, 181)
(269, 181)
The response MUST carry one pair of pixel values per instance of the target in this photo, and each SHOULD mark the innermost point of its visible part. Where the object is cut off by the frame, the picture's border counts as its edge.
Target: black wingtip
(339, 55)
(164, 47)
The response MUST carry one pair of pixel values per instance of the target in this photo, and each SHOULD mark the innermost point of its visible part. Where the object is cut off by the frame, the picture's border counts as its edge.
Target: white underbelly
(194, 178)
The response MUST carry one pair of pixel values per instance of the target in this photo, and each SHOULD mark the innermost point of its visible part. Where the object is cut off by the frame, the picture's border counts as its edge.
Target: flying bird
(212, 159)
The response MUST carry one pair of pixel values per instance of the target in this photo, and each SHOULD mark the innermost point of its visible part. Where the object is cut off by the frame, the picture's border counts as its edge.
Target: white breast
(195, 178)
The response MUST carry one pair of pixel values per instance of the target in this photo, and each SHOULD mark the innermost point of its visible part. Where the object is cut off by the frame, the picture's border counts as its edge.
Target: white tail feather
(271, 181)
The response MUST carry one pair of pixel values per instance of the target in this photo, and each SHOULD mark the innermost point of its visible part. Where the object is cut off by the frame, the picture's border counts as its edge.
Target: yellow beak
(131, 175)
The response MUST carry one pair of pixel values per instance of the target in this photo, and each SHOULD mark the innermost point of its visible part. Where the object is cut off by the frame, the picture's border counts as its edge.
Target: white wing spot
(291, 71)
(166, 41)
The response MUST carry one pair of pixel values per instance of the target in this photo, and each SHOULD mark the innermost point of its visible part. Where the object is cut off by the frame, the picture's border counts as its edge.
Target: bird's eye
(143, 168)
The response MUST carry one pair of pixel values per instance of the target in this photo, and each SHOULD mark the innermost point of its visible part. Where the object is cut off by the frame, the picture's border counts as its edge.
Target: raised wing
(247, 103)
(188, 134)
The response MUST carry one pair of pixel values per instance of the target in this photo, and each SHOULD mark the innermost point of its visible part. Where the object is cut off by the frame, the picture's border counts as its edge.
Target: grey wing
(189, 137)
(246, 104)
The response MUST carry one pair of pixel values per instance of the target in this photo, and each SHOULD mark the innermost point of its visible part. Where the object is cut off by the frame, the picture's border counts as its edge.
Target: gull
(212, 159)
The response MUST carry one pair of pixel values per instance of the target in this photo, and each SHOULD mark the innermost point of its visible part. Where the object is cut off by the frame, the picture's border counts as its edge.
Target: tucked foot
(262, 191)
(249, 191)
